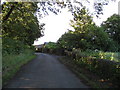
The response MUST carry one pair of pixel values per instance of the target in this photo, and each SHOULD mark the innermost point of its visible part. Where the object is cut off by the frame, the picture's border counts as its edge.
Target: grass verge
(87, 77)
(12, 63)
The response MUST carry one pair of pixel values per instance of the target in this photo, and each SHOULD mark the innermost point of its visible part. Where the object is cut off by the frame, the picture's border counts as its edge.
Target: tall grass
(11, 63)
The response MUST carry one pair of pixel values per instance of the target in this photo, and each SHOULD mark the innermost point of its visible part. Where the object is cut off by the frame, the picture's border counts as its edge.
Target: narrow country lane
(45, 72)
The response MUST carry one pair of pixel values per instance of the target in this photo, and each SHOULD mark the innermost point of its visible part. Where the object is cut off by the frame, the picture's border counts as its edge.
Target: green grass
(11, 63)
(113, 56)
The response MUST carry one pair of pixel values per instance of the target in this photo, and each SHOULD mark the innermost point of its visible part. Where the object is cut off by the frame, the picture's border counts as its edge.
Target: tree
(86, 35)
(81, 23)
(100, 40)
(69, 40)
(81, 20)
(21, 23)
(57, 5)
(112, 27)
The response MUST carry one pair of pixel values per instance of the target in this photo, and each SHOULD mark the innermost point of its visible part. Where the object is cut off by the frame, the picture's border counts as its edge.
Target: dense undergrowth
(86, 76)
(108, 70)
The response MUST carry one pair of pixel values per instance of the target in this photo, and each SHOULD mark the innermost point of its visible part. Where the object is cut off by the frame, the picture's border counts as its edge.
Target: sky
(56, 25)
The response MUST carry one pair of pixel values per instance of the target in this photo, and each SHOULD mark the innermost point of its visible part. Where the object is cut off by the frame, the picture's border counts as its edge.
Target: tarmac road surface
(45, 71)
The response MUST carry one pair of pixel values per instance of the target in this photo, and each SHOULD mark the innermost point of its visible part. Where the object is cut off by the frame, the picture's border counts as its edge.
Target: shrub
(106, 69)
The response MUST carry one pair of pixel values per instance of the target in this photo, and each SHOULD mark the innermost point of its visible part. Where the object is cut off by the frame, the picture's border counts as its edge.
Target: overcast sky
(56, 25)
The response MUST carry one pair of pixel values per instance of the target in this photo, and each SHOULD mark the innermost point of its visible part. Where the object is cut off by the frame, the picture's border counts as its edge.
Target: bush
(53, 48)
(12, 46)
(106, 69)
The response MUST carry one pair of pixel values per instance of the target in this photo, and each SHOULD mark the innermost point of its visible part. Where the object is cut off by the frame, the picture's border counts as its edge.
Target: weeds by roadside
(13, 62)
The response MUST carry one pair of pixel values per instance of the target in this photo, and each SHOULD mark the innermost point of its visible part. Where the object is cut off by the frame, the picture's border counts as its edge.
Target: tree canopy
(112, 27)
(20, 24)
(87, 35)
(57, 5)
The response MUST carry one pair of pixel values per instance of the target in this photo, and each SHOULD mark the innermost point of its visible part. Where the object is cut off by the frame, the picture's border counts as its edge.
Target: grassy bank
(13, 62)
(112, 56)
(87, 77)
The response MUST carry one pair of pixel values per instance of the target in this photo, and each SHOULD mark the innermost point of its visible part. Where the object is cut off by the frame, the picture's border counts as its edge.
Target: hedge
(106, 69)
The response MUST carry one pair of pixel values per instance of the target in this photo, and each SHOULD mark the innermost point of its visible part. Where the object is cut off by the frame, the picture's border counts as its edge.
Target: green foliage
(68, 40)
(112, 27)
(86, 35)
(21, 24)
(51, 45)
(100, 39)
(81, 21)
(97, 47)
(78, 38)
(112, 56)
(96, 62)
(13, 62)
(12, 46)
(20, 27)
(53, 48)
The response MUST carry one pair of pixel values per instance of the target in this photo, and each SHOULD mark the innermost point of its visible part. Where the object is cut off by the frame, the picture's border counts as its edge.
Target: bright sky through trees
(56, 25)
